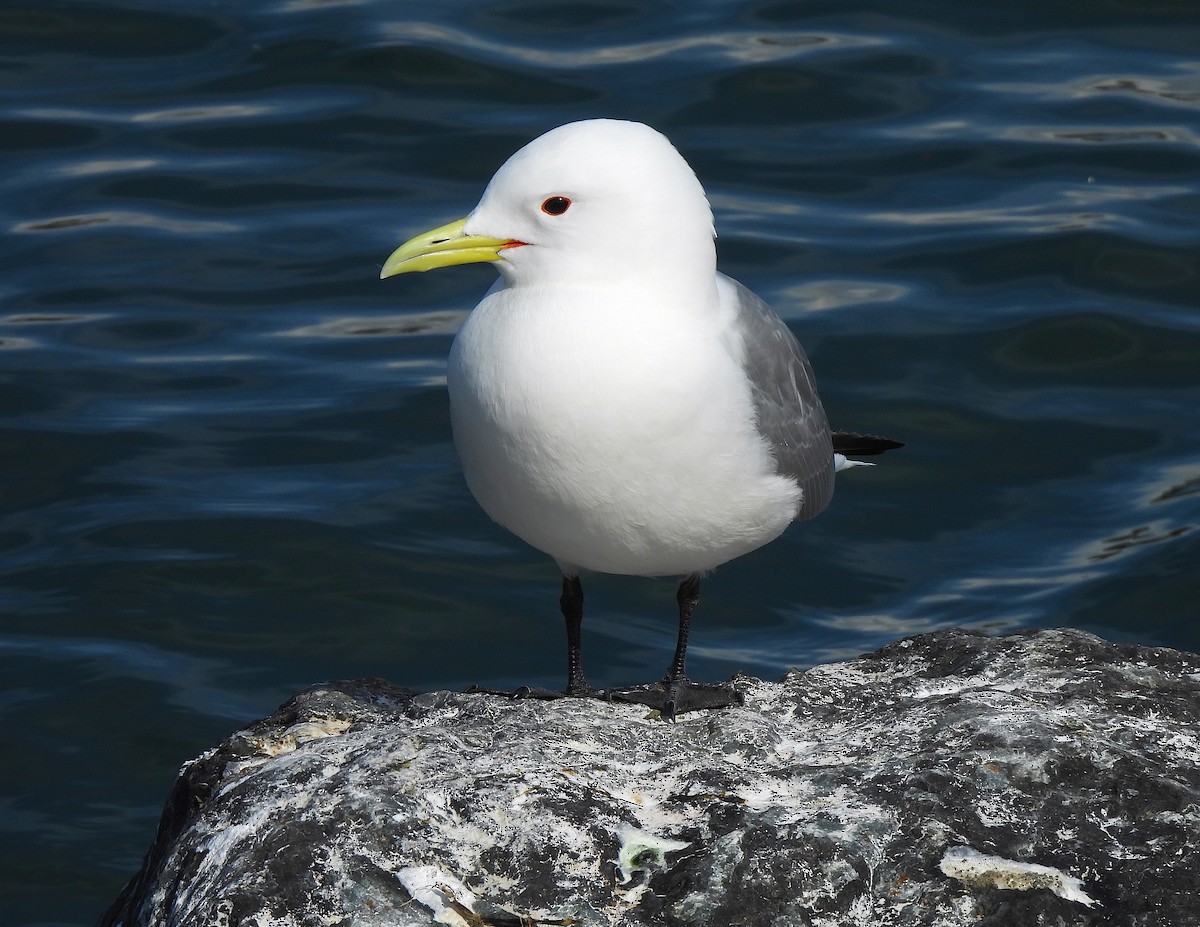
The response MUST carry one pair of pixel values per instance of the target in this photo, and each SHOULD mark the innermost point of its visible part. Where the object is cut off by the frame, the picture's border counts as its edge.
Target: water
(227, 463)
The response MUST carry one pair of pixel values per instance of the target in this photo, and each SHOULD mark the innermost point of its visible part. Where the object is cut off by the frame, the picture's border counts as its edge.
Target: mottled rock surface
(951, 778)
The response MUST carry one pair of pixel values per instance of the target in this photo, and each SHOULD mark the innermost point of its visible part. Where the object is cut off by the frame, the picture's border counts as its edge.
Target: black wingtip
(851, 442)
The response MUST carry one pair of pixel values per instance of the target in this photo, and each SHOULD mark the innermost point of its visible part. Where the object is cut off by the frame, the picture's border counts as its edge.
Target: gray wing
(786, 404)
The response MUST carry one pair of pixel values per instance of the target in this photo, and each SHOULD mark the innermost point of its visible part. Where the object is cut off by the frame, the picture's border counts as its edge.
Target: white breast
(611, 433)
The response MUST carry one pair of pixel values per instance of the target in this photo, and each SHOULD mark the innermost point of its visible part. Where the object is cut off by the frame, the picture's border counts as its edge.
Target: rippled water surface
(227, 468)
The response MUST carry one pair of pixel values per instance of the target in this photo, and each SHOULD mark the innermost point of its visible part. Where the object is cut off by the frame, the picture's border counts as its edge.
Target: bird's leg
(571, 603)
(676, 693)
(688, 597)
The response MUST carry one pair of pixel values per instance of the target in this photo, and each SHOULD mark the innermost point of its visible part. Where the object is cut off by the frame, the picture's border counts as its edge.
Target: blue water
(227, 469)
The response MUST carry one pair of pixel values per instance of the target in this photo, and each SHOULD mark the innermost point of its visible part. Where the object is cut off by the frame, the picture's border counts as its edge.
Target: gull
(615, 401)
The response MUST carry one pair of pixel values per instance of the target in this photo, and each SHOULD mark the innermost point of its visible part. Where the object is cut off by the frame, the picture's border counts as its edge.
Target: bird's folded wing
(788, 410)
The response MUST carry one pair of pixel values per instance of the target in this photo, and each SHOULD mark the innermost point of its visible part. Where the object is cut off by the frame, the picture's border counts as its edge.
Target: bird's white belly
(616, 445)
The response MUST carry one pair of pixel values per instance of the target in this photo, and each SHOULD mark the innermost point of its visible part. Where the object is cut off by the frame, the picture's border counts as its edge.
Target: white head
(586, 201)
(632, 204)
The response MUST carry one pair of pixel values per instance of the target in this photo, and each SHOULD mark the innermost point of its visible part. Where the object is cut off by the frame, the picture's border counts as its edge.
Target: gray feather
(788, 410)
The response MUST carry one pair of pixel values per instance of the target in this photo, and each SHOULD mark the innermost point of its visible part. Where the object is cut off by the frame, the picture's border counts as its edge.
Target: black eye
(556, 205)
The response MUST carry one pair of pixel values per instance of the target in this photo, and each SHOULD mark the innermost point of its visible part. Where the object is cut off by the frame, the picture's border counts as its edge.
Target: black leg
(571, 604)
(673, 696)
(688, 598)
(676, 693)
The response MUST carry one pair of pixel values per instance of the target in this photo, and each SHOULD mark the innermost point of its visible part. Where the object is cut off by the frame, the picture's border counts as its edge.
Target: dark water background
(226, 466)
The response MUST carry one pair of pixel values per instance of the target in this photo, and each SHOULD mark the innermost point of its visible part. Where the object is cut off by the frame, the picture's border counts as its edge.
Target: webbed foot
(674, 697)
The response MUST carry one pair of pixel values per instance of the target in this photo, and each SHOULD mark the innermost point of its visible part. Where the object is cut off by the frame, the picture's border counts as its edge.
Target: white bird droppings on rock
(978, 869)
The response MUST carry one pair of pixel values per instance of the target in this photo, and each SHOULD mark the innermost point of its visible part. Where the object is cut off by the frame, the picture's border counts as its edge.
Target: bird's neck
(677, 272)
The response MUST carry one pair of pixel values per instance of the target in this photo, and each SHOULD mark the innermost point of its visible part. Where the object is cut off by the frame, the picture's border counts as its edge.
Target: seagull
(615, 401)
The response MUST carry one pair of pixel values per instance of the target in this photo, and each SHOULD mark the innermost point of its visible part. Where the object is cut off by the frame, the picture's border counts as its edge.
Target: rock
(950, 778)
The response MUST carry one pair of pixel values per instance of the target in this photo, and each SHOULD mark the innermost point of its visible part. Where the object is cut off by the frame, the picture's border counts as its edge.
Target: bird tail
(851, 442)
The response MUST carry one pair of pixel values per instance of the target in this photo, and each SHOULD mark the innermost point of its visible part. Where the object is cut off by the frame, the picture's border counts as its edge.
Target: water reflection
(833, 294)
(415, 323)
(213, 111)
(729, 47)
(108, 166)
(121, 219)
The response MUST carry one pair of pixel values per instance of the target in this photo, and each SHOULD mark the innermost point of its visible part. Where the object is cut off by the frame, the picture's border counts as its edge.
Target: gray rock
(951, 778)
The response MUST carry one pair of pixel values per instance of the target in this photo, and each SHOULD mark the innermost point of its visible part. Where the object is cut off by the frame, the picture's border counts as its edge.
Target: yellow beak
(443, 247)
